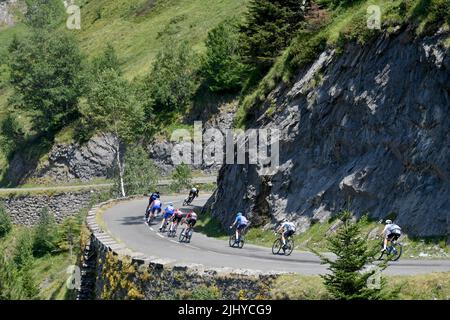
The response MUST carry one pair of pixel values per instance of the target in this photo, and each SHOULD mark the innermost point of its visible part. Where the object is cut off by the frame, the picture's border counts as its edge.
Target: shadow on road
(132, 220)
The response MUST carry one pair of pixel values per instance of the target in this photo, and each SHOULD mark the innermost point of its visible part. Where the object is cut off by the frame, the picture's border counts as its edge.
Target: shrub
(173, 80)
(140, 175)
(45, 236)
(222, 66)
(182, 178)
(348, 278)
(5, 222)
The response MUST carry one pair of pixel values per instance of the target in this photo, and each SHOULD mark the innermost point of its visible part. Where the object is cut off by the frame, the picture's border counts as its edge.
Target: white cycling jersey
(288, 226)
(392, 228)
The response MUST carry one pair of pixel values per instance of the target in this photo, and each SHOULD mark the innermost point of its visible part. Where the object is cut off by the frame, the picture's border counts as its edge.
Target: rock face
(366, 130)
(220, 118)
(95, 159)
(6, 9)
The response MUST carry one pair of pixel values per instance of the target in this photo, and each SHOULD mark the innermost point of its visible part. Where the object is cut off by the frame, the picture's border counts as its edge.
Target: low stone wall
(123, 274)
(25, 209)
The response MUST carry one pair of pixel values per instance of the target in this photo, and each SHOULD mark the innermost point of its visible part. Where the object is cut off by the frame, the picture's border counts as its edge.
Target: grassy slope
(49, 271)
(420, 287)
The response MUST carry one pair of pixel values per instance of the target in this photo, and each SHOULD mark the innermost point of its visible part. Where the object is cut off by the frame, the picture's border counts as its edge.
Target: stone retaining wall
(25, 209)
(124, 274)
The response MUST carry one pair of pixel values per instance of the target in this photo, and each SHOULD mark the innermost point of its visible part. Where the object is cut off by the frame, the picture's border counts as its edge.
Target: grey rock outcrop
(366, 130)
(94, 159)
(6, 11)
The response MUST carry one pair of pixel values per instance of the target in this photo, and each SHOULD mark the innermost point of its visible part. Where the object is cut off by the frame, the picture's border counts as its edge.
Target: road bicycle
(188, 200)
(172, 233)
(278, 248)
(393, 250)
(186, 235)
(238, 244)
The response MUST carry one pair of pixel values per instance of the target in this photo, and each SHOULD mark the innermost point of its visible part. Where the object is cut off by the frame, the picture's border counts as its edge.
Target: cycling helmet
(388, 221)
(170, 203)
(239, 214)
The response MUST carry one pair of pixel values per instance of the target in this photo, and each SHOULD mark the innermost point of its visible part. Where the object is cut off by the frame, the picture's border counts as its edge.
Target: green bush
(222, 65)
(47, 78)
(182, 178)
(140, 175)
(45, 238)
(23, 253)
(173, 80)
(5, 222)
(270, 25)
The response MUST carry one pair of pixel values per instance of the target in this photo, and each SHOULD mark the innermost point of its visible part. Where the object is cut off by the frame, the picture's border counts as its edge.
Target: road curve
(124, 222)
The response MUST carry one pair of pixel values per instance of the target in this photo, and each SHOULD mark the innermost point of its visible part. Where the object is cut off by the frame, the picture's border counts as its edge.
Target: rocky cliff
(367, 130)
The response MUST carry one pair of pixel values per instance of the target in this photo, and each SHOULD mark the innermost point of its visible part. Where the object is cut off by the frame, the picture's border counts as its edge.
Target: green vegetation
(45, 235)
(332, 24)
(172, 81)
(347, 279)
(433, 286)
(5, 222)
(182, 178)
(140, 174)
(222, 65)
(34, 261)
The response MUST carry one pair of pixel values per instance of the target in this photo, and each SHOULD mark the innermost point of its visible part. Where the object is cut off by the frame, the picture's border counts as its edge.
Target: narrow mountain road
(125, 223)
(162, 182)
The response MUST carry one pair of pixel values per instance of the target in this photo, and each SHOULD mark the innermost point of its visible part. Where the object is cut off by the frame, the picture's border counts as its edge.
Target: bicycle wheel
(276, 247)
(241, 242)
(397, 250)
(289, 247)
(232, 240)
(182, 236)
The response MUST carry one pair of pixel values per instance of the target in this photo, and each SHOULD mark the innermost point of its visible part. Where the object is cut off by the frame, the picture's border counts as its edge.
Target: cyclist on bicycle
(154, 196)
(168, 213)
(176, 219)
(155, 208)
(391, 232)
(194, 192)
(241, 223)
(286, 229)
(190, 220)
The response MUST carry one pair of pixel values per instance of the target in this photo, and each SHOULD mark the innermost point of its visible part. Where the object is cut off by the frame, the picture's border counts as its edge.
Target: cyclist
(286, 229)
(168, 213)
(391, 232)
(154, 196)
(194, 192)
(176, 219)
(190, 220)
(155, 208)
(241, 223)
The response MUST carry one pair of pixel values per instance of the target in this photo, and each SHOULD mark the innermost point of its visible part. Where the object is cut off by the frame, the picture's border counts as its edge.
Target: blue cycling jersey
(241, 220)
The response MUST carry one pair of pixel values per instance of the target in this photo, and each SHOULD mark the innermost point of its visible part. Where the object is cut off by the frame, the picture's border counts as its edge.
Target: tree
(23, 260)
(349, 279)
(44, 13)
(181, 177)
(222, 65)
(47, 76)
(12, 134)
(107, 60)
(10, 286)
(173, 80)
(140, 174)
(45, 238)
(5, 222)
(111, 107)
(269, 27)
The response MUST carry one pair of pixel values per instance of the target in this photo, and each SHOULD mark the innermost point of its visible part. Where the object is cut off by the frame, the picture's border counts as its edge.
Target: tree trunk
(119, 165)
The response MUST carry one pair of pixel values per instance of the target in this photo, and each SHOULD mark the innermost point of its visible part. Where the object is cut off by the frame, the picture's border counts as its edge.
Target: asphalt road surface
(125, 223)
